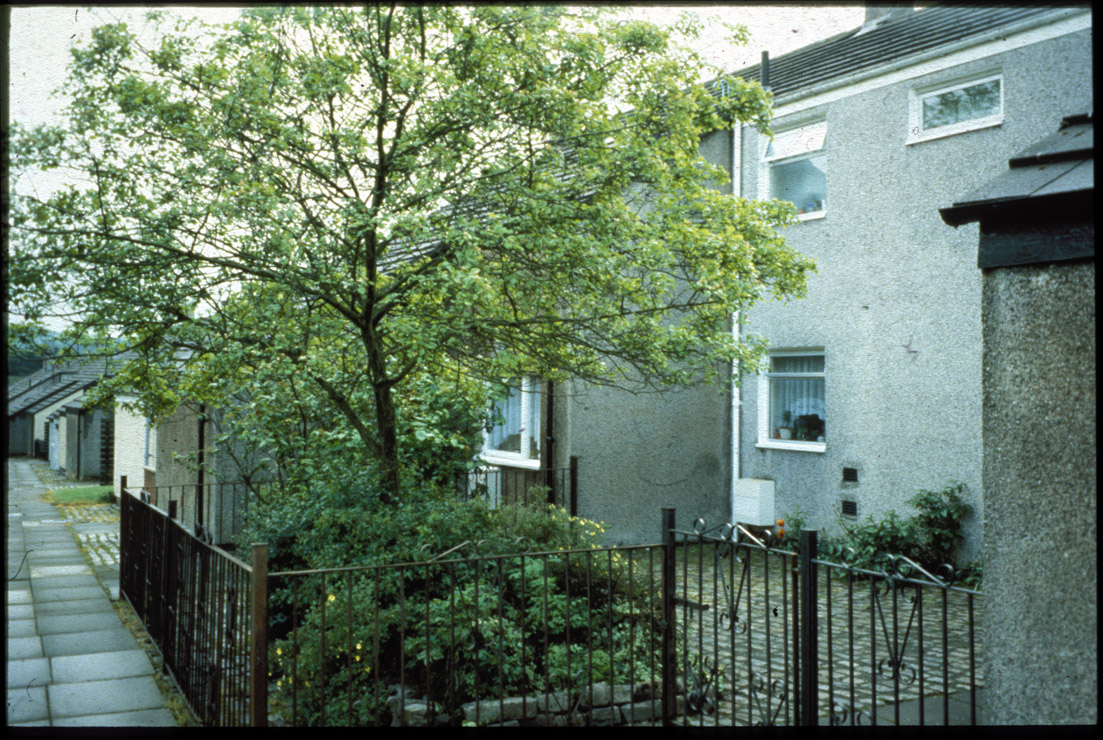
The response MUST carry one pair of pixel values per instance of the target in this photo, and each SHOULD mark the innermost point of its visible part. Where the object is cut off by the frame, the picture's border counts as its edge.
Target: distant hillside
(24, 359)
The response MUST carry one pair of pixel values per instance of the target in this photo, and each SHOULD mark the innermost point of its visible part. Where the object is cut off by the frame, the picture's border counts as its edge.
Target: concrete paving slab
(104, 697)
(65, 581)
(20, 611)
(144, 718)
(20, 648)
(21, 627)
(27, 704)
(29, 672)
(54, 624)
(45, 595)
(53, 557)
(99, 641)
(48, 571)
(933, 711)
(100, 666)
(97, 605)
(19, 596)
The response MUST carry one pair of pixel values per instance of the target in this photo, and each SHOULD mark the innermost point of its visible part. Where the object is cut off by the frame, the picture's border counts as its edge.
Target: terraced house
(873, 387)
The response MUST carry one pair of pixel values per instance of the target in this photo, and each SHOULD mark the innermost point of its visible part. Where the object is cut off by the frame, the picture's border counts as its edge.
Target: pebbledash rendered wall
(895, 304)
(638, 453)
(1040, 471)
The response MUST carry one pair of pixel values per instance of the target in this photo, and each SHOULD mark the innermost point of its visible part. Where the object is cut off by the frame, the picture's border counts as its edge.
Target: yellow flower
(359, 646)
(357, 658)
(332, 597)
(279, 651)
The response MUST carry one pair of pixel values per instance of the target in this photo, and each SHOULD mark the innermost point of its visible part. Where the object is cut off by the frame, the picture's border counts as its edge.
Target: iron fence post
(669, 659)
(809, 629)
(258, 646)
(574, 485)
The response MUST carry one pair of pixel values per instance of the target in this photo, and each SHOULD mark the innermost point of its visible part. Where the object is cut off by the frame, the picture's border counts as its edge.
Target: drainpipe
(199, 477)
(737, 191)
(80, 415)
(549, 440)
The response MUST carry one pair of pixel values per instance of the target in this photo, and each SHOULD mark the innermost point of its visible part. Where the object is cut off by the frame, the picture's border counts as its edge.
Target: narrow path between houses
(71, 660)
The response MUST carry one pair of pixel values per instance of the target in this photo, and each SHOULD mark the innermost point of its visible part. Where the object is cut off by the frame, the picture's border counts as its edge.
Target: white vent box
(753, 502)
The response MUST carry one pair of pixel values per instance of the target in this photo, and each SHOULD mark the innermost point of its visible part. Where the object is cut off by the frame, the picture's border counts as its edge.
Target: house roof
(1059, 167)
(58, 380)
(892, 38)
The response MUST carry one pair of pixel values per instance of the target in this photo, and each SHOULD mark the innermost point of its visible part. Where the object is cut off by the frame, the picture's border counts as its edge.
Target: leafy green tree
(384, 195)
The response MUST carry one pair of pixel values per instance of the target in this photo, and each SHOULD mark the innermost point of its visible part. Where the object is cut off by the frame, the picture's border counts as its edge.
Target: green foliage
(462, 626)
(349, 220)
(930, 537)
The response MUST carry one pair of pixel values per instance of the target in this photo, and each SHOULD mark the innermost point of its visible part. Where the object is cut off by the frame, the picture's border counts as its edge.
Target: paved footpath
(71, 661)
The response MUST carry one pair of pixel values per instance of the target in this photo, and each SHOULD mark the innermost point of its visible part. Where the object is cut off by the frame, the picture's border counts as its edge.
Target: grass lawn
(80, 496)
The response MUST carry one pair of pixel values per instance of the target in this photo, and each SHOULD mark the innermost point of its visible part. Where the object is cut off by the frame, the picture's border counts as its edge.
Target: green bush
(930, 537)
(460, 627)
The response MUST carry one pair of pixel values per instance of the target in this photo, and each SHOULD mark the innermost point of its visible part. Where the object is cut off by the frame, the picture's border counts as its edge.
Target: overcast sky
(41, 37)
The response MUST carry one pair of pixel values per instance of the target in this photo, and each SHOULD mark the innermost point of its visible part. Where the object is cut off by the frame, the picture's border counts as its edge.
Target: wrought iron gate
(772, 637)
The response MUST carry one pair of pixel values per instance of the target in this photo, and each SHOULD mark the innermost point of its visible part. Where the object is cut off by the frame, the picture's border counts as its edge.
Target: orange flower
(781, 522)
(781, 533)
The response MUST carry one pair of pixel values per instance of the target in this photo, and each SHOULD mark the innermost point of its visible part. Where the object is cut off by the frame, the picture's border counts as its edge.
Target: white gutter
(995, 41)
(737, 191)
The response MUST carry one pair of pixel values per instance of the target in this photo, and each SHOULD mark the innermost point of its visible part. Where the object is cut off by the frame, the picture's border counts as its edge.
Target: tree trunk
(388, 433)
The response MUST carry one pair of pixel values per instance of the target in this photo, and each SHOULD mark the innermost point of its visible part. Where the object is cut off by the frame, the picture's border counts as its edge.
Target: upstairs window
(955, 109)
(796, 168)
(514, 438)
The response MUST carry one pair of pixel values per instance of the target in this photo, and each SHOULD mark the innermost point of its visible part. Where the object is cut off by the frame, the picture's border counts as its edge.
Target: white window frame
(149, 456)
(765, 441)
(916, 134)
(767, 161)
(530, 394)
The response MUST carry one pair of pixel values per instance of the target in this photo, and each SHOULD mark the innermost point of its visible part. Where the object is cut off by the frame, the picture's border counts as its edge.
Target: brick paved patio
(862, 627)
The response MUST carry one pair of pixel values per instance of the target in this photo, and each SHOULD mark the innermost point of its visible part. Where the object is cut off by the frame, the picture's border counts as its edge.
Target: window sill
(811, 216)
(509, 461)
(777, 444)
(953, 131)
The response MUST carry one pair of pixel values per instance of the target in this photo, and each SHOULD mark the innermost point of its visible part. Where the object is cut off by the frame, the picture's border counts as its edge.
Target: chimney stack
(875, 12)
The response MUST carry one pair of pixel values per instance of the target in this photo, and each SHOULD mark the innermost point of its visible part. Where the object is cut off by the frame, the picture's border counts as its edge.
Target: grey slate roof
(1059, 166)
(892, 38)
(58, 380)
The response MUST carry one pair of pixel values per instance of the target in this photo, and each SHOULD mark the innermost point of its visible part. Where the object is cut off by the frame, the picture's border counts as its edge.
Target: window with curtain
(797, 168)
(515, 435)
(795, 384)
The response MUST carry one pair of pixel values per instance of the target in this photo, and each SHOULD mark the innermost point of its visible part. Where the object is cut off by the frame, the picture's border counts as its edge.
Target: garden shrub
(930, 537)
(459, 628)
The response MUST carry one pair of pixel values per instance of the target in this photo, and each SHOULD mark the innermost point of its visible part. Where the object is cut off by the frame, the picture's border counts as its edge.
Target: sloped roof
(1059, 166)
(894, 37)
(60, 379)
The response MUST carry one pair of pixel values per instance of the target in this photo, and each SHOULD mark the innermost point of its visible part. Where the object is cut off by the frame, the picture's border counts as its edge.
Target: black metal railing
(215, 512)
(197, 604)
(560, 638)
(787, 638)
(709, 627)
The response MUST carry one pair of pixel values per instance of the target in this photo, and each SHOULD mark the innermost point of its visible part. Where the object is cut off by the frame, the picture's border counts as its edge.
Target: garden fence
(705, 628)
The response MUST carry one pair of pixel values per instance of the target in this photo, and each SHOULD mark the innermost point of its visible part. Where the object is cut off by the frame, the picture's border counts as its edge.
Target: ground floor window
(514, 437)
(792, 408)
